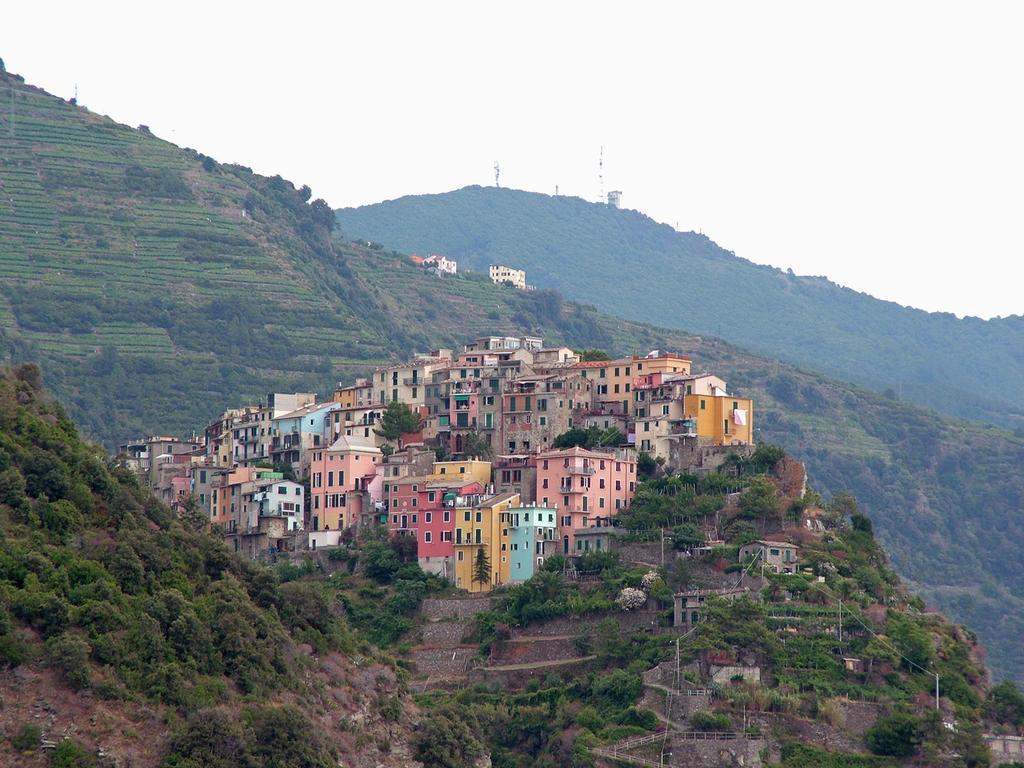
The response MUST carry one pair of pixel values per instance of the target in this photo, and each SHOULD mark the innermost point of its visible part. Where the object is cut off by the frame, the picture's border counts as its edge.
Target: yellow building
(358, 395)
(482, 529)
(613, 380)
(656, 362)
(724, 420)
(469, 469)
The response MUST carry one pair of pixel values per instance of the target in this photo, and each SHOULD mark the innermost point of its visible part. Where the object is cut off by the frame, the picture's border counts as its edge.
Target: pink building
(584, 485)
(338, 479)
(425, 510)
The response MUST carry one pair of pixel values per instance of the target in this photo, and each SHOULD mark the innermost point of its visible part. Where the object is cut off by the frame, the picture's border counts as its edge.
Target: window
(565, 501)
(664, 410)
(447, 516)
(543, 421)
(466, 517)
(725, 427)
(431, 496)
(545, 483)
(446, 535)
(427, 517)
(460, 556)
(703, 404)
(427, 537)
(281, 489)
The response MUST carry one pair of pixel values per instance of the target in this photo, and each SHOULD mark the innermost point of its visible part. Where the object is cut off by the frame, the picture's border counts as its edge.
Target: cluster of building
(499, 273)
(480, 486)
(440, 265)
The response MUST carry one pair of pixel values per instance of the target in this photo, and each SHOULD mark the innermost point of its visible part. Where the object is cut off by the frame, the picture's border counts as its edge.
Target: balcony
(413, 381)
(579, 470)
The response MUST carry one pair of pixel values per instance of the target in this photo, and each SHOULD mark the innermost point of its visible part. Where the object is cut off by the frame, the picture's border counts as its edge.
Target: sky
(880, 144)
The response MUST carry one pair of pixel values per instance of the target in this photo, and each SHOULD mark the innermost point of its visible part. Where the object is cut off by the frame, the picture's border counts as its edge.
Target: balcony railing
(580, 470)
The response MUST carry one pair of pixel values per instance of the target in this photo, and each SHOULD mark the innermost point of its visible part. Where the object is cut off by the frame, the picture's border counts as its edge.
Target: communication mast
(600, 175)
(497, 174)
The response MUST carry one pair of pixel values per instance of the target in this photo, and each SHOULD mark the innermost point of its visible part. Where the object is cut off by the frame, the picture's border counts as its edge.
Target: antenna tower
(497, 174)
(600, 176)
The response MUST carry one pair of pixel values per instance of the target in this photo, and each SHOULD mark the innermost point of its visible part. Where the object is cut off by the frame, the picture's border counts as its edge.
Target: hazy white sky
(878, 143)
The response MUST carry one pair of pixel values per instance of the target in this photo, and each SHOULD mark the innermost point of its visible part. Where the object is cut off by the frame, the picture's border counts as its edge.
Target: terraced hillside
(125, 260)
(627, 264)
(156, 287)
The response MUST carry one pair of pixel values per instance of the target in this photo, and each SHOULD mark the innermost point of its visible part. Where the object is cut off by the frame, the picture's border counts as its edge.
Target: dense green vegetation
(631, 266)
(151, 313)
(102, 582)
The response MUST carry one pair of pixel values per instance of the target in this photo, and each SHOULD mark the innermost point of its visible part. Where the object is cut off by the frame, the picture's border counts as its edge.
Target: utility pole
(840, 622)
(662, 547)
(936, 691)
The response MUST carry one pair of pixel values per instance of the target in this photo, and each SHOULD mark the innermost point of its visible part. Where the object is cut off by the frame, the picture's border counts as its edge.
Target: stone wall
(442, 661)
(642, 552)
(724, 675)
(570, 626)
(1006, 749)
(434, 609)
(528, 651)
(516, 678)
(717, 754)
(443, 634)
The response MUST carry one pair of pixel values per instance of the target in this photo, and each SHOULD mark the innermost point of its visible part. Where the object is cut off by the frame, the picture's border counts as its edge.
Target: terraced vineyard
(122, 254)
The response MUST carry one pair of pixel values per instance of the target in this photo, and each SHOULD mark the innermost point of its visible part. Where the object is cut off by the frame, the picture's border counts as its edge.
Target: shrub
(897, 735)
(631, 599)
(710, 721)
(29, 736)
(70, 755)
(70, 654)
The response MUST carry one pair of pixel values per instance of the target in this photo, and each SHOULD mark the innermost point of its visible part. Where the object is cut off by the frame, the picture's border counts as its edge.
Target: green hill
(627, 264)
(148, 641)
(118, 258)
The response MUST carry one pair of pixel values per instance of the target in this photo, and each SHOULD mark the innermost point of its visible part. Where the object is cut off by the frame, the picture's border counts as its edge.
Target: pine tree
(482, 567)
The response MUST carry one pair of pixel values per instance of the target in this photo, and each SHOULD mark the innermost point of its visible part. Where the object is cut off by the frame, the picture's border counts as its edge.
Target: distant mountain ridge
(625, 263)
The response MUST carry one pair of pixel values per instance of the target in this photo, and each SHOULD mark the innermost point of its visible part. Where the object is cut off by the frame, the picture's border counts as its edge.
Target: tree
(592, 355)
(879, 649)
(898, 735)
(475, 444)
(397, 420)
(191, 514)
(593, 437)
(482, 567)
(760, 499)
(1006, 704)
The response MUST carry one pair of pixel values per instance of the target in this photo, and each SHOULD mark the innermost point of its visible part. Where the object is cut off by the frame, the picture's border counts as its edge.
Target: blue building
(528, 528)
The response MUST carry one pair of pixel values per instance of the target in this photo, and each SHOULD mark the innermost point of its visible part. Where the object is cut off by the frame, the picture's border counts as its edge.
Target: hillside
(628, 265)
(88, 277)
(130, 637)
(126, 632)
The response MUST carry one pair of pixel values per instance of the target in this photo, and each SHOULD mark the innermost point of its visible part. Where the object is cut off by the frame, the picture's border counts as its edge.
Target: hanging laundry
(739, 417)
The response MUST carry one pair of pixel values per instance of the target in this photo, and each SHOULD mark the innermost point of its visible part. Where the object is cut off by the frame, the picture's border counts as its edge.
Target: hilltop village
(490, 459)
(518, 520)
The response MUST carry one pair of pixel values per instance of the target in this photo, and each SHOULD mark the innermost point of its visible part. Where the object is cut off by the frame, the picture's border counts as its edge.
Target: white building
(442, 264)
(281, 498)
(501, 274)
